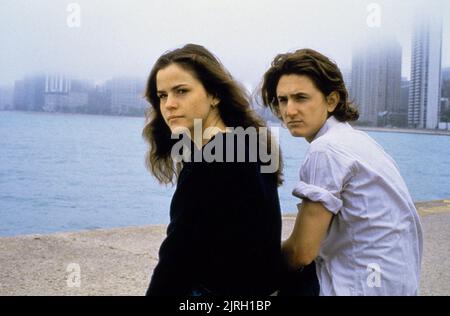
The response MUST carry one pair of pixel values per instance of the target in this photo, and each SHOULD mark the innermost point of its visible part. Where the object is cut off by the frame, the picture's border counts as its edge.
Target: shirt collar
(329, 123)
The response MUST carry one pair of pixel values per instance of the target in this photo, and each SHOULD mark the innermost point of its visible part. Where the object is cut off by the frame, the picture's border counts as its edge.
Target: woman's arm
(310, 229)
(172, 275)
(245, 230)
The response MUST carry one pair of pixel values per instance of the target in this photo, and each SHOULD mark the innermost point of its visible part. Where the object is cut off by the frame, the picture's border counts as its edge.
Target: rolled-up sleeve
(322, 178)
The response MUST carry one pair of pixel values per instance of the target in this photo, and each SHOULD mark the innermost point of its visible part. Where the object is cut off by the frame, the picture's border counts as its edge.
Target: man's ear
(332, 101)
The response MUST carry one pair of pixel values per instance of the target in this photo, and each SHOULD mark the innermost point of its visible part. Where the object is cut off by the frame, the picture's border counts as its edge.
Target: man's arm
(310, 229)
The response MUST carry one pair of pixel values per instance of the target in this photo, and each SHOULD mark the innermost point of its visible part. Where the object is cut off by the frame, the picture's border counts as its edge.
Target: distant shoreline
(271, 123)
(439, 132)
(404, 130)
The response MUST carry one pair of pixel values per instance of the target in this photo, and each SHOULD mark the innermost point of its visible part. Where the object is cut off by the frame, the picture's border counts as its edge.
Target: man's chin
(296, 133)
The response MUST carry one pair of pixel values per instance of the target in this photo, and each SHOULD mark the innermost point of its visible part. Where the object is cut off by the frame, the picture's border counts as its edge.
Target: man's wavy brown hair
(324, 73)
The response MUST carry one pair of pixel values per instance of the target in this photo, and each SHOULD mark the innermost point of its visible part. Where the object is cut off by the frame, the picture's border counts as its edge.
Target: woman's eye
(162, 96)
(181, 91)
(281, 101)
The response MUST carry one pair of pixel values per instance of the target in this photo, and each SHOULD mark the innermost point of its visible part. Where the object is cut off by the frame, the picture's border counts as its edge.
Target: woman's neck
(209, 128)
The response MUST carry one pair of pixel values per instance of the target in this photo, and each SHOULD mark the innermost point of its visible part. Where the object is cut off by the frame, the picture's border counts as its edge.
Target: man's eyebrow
(173, 88)
(295, 94)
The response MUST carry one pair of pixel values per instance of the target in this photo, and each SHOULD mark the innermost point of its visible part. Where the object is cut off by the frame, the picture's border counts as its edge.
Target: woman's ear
(332, 101)
(215, 101)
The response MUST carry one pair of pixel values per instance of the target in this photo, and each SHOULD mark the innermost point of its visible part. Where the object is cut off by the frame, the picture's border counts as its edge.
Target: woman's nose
(170, 102)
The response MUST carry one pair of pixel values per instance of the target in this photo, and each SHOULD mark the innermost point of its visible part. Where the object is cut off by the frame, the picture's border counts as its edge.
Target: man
(357, 220)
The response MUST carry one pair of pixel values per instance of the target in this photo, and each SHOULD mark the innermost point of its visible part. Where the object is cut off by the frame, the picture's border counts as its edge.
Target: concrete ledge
(120, 261)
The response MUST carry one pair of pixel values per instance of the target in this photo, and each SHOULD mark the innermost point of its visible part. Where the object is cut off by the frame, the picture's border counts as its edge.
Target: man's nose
(290, 108)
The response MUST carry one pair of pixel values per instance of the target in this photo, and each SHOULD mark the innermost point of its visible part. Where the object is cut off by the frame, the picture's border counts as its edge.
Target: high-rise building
(376, 79)
(404, 99)
(445, 83)
(445, 104)
(65, 94)
(425, 89)
(99, 99)
(6, 98)
(127, 95)
(347, 76)
(29, 93)
(19, 95)
(58, 84)
(445, 114)
(57, 88)
(446, 74)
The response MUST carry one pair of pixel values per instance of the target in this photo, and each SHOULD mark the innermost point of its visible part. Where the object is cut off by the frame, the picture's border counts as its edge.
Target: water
(62, 172)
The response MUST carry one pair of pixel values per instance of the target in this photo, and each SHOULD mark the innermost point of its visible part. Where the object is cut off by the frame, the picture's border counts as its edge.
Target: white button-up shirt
(374, 243)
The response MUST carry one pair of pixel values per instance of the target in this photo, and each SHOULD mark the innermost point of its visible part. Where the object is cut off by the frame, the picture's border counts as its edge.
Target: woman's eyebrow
(173, 88)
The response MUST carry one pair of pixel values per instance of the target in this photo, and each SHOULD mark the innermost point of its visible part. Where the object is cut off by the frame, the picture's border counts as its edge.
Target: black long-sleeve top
(224, 233)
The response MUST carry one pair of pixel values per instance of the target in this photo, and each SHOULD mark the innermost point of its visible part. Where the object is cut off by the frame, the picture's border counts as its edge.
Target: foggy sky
(124, 37)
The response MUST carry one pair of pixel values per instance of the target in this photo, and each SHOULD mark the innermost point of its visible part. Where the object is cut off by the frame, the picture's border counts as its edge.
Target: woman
(224, 236)
(357, 220)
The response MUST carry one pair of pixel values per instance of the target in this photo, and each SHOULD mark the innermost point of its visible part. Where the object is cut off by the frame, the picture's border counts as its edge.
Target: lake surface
(63, 172)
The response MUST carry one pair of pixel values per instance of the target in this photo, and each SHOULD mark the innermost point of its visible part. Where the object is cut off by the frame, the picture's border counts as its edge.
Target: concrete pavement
(119, 261)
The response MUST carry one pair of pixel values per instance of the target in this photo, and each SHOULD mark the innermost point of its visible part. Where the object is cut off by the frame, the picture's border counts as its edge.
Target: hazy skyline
(124, 38)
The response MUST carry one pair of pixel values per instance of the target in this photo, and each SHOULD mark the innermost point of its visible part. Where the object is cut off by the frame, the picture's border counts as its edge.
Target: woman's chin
(179, 129)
